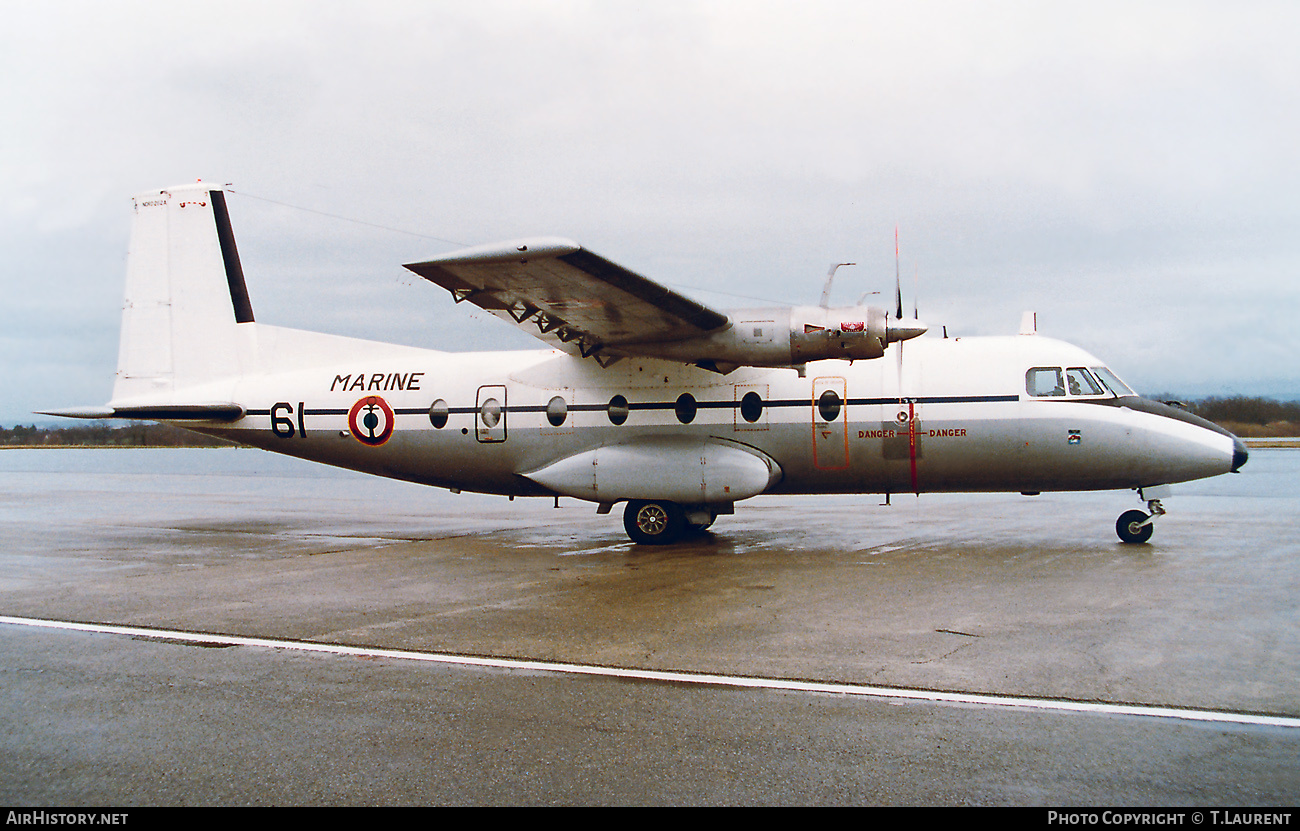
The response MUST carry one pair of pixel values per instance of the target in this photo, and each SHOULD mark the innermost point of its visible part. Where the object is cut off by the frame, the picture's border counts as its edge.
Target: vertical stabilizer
(185, 295)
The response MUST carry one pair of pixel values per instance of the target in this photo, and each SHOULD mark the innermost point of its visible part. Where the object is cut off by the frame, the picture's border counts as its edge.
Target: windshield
(1112, 380)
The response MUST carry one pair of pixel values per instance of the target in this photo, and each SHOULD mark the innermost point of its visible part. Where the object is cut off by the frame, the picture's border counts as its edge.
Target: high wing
(569, 297)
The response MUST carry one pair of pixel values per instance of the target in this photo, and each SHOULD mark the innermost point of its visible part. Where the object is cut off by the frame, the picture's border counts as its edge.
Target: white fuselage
(951, 415)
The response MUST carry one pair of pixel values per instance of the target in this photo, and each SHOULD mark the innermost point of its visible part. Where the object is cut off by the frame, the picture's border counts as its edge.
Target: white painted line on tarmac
(705, 679)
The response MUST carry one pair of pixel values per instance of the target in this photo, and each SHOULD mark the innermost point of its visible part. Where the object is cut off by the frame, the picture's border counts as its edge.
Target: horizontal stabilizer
(80, 412)
(156, 412)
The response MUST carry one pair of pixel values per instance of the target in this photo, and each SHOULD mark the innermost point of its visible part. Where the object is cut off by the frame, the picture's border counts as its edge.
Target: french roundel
(371, 420)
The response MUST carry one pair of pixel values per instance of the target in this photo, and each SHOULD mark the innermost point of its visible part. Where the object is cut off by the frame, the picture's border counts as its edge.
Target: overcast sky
(1131, 171)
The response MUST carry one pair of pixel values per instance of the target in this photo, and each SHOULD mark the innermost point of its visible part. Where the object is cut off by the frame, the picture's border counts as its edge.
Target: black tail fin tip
(230, 256)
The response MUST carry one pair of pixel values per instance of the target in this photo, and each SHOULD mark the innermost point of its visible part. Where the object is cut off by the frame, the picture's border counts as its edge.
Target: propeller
(900, 329)
(898, 314)
(863, 334)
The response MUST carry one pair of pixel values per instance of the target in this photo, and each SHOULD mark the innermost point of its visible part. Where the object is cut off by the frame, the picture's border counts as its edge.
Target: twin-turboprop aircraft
(644, 397)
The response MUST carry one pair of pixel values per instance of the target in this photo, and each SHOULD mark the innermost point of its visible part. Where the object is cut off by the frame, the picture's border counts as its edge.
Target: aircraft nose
(1239, 454)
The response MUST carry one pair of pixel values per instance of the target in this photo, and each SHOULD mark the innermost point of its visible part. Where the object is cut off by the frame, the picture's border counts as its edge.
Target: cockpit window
(1044, 380)
(1079, 381)
(1111, 380)
(1051, 381)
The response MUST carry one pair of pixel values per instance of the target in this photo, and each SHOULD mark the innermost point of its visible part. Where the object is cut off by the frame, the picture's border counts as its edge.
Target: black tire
(652, 522)
(1130, 527)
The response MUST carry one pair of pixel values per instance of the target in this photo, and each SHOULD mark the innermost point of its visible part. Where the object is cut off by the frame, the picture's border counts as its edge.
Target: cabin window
(490, 412)
(617, 409)
(686, 408)
(1044, 381)
(1079, 381)
(828, 405)
(751, 407)
(438, 412)
(557, 410)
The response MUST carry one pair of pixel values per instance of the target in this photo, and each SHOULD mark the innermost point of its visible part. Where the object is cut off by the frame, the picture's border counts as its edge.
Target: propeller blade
(898, 285)
(898, 347)
(899, 329)
(916, 292)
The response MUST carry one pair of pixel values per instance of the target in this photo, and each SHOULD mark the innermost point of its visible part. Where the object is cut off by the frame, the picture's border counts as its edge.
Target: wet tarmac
(991, 594)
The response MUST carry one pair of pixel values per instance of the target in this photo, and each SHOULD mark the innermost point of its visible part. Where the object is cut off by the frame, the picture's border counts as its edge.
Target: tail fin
(185, 296)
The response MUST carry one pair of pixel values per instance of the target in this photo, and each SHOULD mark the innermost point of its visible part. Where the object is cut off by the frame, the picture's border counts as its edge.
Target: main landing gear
(1135, 526)
(656, 522)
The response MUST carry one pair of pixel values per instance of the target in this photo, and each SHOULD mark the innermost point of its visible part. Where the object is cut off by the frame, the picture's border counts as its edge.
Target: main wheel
(651, 522)
(1130, 527)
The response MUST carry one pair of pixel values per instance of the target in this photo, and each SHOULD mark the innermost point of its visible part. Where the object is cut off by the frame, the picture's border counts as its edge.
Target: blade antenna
(830, 277)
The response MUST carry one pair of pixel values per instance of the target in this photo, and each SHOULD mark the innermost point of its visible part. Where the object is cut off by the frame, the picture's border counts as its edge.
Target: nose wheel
(1136, 526)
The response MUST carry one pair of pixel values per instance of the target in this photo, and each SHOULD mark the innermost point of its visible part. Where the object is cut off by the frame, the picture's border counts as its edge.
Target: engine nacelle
(852, 333)
(791, 336)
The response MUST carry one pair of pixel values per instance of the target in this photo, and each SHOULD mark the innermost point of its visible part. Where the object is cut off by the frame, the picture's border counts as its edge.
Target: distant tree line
(1250, 417)
(1243, 415)
(100, 434)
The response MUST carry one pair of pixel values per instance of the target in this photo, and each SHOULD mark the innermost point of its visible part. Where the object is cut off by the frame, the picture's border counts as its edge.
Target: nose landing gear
(1135, 526)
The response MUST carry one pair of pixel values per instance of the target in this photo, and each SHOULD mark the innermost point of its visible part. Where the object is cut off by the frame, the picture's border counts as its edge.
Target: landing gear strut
(1135, 526)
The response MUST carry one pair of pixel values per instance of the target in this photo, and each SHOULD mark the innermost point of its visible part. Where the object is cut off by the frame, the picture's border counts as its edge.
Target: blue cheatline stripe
(704, 679)
(669, 405)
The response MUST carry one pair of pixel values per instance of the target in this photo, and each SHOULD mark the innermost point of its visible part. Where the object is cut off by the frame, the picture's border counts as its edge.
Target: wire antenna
(345, 218)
